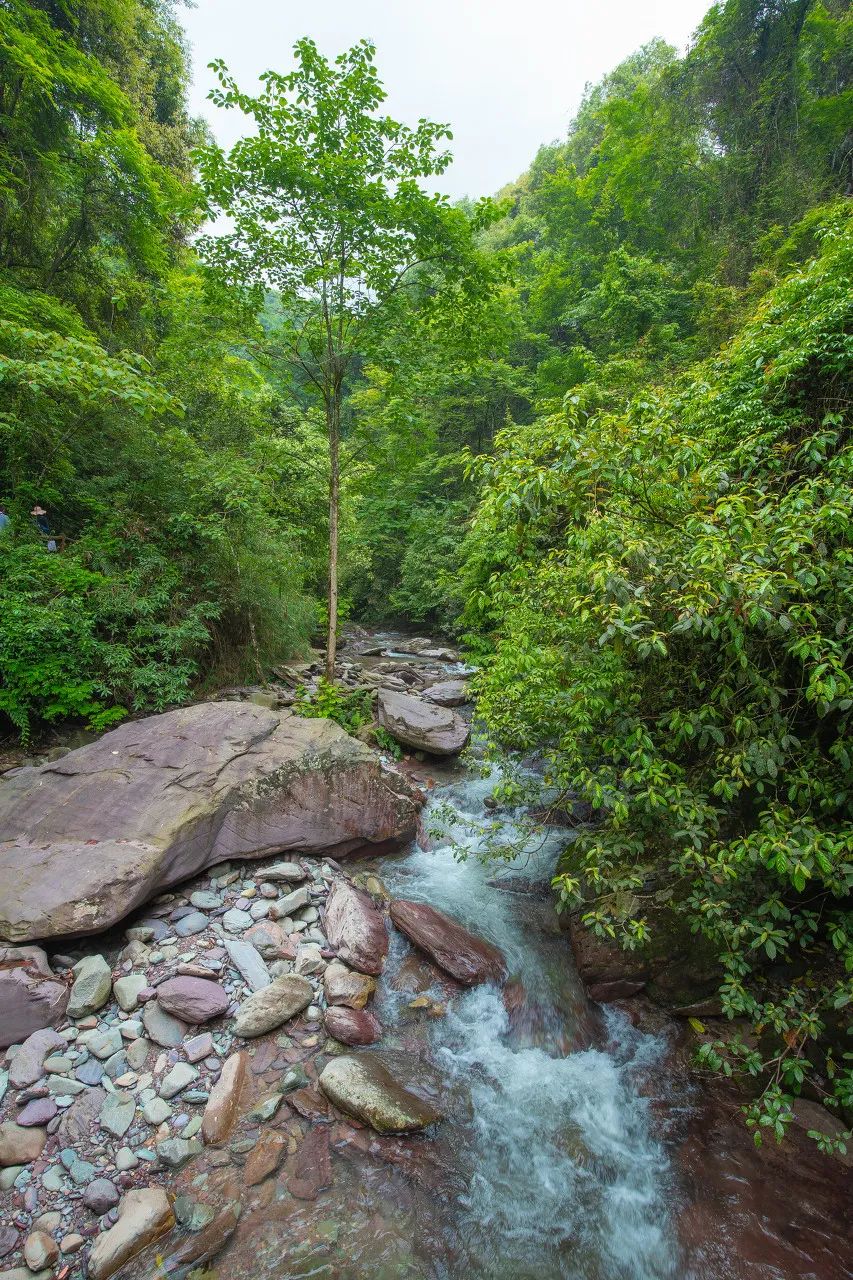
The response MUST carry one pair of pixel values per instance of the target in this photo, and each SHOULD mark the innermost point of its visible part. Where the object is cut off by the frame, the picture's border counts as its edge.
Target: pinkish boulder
(86, 839)
(192, 999)
(356, 928)
(352, 1026)
(464, 956)
(31, 996)
(422, 725)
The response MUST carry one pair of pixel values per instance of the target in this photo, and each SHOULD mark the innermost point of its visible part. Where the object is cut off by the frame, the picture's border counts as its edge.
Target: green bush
(668, 592)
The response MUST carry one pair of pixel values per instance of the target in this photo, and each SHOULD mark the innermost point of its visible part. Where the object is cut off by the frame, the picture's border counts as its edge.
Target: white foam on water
(567, 1178)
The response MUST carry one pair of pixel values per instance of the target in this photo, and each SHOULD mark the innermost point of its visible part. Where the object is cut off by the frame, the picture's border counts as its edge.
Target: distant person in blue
(4, 520)
(42, 523)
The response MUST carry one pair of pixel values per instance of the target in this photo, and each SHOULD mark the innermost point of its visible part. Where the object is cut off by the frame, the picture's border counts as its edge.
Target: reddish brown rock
(223, 1105)
(203, 1245)
(86, 839)
(356, 928)
(310, 1104)
(265, 1158)
(352, 1026)
(31, 996)
(192, 999)
(464, 956)
(312, 1169)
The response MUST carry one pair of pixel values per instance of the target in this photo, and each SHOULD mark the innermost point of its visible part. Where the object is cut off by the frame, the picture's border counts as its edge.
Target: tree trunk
(334, 496)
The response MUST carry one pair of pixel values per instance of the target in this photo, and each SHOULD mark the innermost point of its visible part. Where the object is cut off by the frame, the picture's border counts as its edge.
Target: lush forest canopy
(603, 434)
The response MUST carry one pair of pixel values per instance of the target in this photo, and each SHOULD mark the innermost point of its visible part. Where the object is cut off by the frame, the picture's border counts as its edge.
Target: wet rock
(223, 1105)
(352, 1026)
(93, 984)
(100, 1196)
(255, 780)
(273, 1005)
(312, 1170)
(675, 968)
(619, 989)
(27, 1065)
(192, 1214)
(176, 1152)
(248, 963)
(31, 996)
(364, 1088)
(447, 693)
(144, 1215)
(192, 999)
(162, 1028)
(265, 1158)
(356, 928)
(422, 725)
(464, 956)
(40, 1251)
(344, 986)
(19, 1145)
(207, 1242)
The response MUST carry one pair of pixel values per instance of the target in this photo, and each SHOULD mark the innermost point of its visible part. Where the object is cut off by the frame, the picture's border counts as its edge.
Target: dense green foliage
(660, 562)
(600, 426)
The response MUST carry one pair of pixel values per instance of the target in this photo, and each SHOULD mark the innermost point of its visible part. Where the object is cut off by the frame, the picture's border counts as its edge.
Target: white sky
(507, 75)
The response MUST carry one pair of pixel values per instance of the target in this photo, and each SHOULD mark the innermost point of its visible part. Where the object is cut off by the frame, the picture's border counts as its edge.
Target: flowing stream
(573, 1146)
(564, 1177)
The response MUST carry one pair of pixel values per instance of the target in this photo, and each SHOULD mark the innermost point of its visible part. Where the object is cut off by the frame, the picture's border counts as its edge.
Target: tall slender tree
(324, 202)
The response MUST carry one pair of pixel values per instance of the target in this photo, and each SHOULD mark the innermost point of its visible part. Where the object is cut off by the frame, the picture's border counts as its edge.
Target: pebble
(89, 1072)
(93, 983)
(156, 1111)
(205, 900)
(117, 1114)
(126, 990)
(195, 922)
(198, 1047)
(40, 1251)
(125, 1160)
(237, 920)
(71, 1243)
(177, 1079)
(100, 1196)
(175, 1152)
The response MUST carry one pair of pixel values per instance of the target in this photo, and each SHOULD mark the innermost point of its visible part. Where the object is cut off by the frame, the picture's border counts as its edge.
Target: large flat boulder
(422, 725)
(86, 839)
(464, 956)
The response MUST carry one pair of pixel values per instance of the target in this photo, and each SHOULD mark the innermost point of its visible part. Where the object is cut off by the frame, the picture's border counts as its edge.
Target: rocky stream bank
(259, 1017)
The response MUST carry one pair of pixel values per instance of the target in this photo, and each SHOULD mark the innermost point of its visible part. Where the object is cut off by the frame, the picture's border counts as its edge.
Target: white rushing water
(566, 1176)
